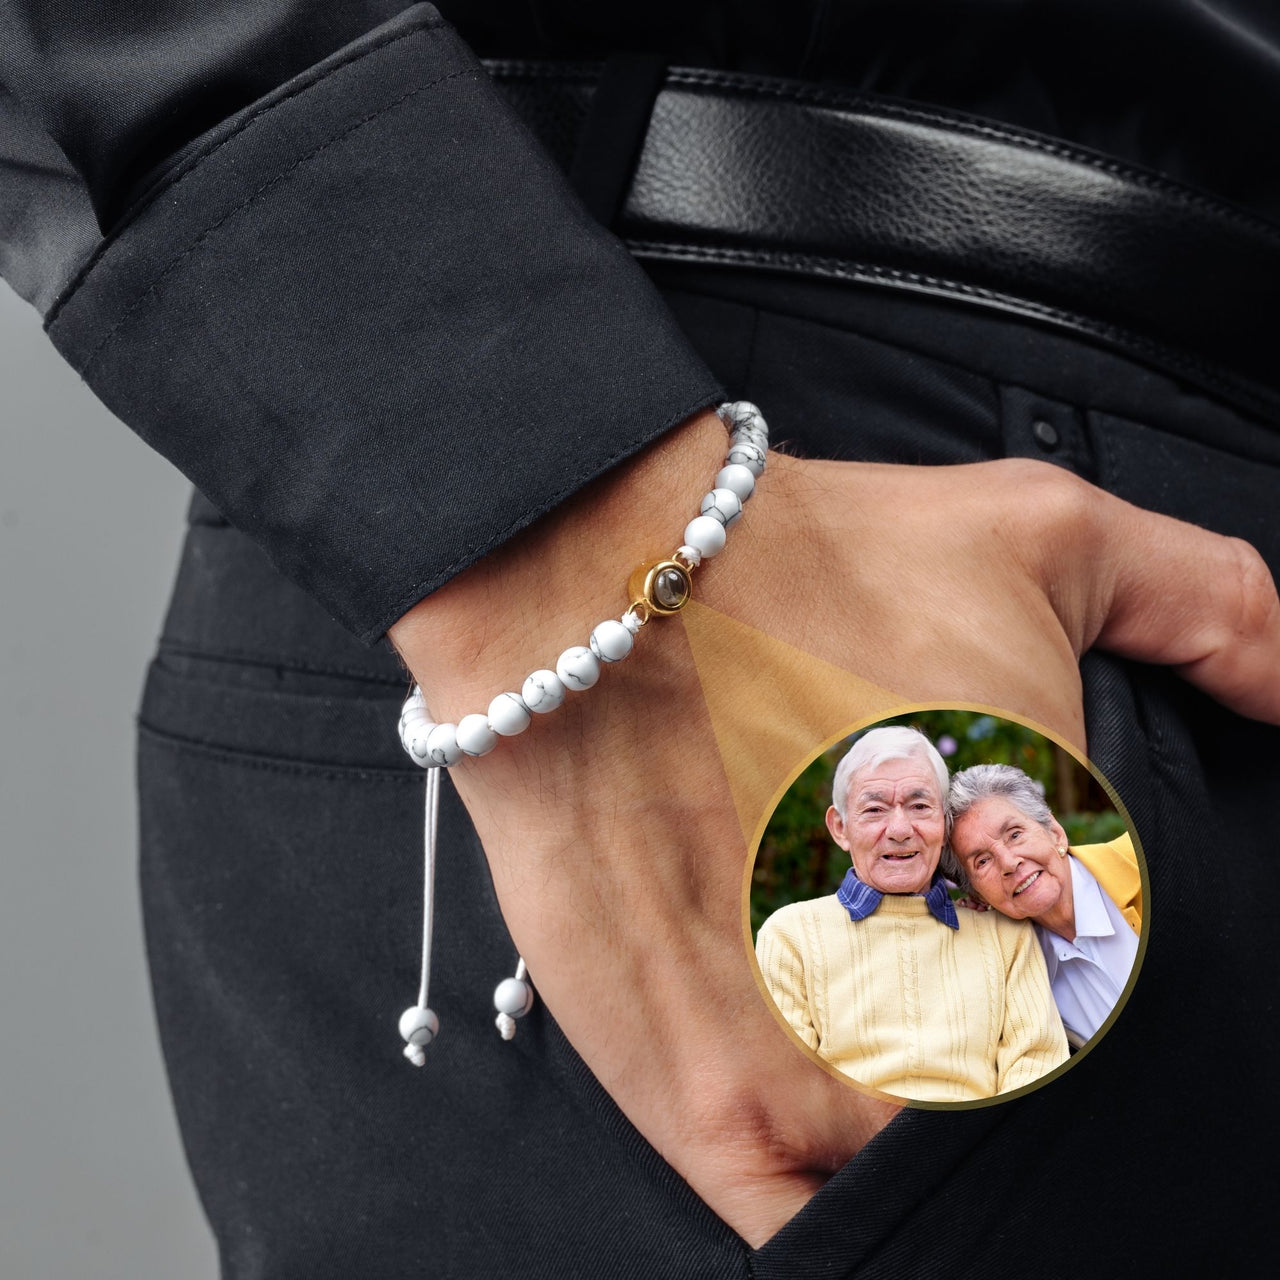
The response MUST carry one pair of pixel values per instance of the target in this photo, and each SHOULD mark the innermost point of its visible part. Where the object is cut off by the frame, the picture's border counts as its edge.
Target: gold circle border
(865, 723)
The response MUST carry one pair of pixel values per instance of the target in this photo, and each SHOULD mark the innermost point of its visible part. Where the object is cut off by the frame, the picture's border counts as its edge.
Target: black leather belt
(785, 176)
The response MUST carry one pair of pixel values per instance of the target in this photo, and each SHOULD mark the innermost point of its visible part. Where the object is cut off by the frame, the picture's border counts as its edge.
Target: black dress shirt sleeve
(363, 312)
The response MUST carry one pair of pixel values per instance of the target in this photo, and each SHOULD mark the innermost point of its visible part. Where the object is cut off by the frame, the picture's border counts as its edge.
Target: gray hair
(982, 781)
(892, 742)
(896, 742)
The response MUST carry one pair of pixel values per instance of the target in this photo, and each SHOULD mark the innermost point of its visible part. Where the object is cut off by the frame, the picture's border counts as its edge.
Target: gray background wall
(93, 1185)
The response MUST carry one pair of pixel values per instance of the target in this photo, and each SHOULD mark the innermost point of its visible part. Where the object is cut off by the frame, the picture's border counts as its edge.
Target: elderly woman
(882, 979)
(1085, 901)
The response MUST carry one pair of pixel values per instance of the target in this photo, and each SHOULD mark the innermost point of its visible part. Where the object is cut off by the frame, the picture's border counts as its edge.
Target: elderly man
(883, 979)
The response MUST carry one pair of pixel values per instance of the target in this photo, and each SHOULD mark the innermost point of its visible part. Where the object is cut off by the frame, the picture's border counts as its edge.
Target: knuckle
(1254, 590)
(1050, 500)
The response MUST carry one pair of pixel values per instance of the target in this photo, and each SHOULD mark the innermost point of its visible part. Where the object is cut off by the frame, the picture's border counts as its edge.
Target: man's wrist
(518, 608)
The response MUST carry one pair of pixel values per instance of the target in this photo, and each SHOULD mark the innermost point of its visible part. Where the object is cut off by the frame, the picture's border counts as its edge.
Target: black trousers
(281, 831)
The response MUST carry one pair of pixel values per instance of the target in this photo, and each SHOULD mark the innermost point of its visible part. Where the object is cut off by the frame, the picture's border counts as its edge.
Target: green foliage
(1091, 828)
(798, 860)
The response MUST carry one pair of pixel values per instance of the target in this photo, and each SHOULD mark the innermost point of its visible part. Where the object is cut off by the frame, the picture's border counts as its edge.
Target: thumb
(1194, 600)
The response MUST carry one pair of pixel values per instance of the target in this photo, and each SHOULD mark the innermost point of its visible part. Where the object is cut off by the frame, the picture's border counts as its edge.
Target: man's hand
(610, 826)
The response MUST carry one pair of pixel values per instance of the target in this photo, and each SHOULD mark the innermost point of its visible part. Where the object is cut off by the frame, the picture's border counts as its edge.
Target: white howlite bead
(475, 736)
(751, 419)
(419, 1026)
(690, 555)
(513, 997)
(411, 719)
(742, 413)
(611, 641)
(747, 436)
(542, 691)
(706, 533)
(723, 505)
(742, 480)
(508, 715)
(578, 668)
(414, 736)
(442, 745)
(750, 456)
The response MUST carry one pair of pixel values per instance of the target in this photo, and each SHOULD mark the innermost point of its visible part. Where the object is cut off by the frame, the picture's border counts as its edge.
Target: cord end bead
(419, 1027)
(658, 587)
(514, 997)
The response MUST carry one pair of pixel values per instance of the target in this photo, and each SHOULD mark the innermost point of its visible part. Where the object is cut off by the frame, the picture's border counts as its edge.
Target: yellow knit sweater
(903, 1003)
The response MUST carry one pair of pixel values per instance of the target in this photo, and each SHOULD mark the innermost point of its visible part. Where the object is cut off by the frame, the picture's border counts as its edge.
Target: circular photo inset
(946, 907)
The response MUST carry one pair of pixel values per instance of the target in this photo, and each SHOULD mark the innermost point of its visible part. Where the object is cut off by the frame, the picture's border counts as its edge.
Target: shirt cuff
(370, 321)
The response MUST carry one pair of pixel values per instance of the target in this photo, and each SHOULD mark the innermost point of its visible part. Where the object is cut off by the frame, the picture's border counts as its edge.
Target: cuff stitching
(470, 554)
(195, 161)
(250, 199)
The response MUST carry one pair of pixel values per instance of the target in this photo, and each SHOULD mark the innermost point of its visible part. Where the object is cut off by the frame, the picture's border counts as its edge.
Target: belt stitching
(799, 94)
(844, 268)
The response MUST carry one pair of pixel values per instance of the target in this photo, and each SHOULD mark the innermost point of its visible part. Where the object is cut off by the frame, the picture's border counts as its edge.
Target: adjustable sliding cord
(656, 588)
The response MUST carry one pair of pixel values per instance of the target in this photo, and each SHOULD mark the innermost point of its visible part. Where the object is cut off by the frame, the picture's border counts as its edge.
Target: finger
(1194, 600)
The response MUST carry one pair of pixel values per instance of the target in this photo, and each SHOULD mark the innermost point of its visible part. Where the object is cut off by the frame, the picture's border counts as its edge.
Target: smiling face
(1012, 861)
(893, 825)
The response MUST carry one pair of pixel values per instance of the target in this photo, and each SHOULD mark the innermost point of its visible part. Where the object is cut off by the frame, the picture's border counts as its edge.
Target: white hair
(892, 742)
(982, 781)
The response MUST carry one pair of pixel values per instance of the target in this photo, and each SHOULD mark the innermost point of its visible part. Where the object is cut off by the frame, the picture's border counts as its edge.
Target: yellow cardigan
(903, 1003)
(1114, 865)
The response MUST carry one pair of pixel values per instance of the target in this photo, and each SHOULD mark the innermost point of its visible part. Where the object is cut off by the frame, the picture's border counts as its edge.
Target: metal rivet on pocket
(1046, 435)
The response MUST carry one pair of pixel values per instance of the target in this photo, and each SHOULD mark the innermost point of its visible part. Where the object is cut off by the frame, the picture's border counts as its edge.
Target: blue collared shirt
(860, 899)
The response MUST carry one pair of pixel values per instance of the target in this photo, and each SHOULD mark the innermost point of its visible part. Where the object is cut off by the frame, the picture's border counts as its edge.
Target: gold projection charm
(662, 587)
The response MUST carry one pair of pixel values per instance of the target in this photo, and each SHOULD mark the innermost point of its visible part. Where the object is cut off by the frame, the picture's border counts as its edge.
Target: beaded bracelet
(656, 589)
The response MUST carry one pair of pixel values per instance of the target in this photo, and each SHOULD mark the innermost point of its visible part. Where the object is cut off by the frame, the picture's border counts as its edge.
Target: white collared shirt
(1088, 975)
